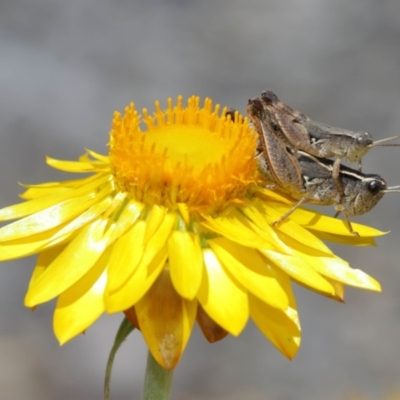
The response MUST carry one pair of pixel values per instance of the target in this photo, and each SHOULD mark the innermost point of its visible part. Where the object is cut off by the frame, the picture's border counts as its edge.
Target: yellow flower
(172, 226)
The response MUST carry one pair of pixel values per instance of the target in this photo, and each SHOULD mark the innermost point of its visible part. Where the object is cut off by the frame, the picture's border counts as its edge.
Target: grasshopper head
(254, 108)
(371, 190)
(360, 144)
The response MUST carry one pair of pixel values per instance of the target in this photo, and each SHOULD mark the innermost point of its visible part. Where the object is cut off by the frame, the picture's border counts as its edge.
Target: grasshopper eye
(375, 187)
(363, 139)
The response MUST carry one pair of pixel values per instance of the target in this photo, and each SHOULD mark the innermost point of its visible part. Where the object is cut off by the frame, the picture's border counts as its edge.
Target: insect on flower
(175, 225)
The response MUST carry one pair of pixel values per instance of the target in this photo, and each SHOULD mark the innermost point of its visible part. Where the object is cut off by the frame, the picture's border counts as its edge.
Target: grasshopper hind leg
(287, 214)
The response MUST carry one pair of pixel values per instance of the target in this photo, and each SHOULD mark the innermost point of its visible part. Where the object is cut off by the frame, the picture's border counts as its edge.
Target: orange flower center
(186, 155)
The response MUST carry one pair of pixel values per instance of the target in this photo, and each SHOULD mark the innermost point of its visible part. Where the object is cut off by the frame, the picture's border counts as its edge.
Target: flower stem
(157, 381)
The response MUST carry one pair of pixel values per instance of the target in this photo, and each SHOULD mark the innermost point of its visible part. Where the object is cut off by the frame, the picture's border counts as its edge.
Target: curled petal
(131, 316)
(166, 321)
(211, 330)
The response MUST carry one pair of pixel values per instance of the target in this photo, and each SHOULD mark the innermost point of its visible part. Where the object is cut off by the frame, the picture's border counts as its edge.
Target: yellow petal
(51, 188)
(156, 217)
(137, 285)
(236, 228)
(50, 217)
(319, 222)
(86, 217)
(338, 288)
(30, 207)
(96, 164)
(184, 211)
(222, 297)
(336, 269)
(125, 256)
(44, 259)
(281, 328)
(185, 263)
(298, 269)
(128, 217)
(166, 321)
(42, 190)
(70, 166)
(76, 259)
(44, 202)
(346, 240)
(251, 270)
(11, 252)
(159, 238)
(81, 304)
(151, 262)
(98, 156)
(32, 244)
(263, 217)
(332, 267)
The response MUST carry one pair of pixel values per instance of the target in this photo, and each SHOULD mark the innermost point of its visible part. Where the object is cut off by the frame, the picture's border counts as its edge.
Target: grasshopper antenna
(392, 189)
(378, 142)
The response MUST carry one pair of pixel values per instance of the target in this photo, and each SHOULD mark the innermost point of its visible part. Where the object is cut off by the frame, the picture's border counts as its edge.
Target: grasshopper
(316, 138)
(310, 179)
(319, 139)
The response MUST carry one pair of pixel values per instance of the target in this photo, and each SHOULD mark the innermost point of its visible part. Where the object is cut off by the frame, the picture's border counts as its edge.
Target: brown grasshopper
(316, 138)
(319, 139)
(309, 179)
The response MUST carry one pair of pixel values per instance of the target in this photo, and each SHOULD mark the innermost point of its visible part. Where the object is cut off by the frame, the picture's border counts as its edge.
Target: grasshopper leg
(352, 231)
(340, 206)
(337, 214)
(297, 205)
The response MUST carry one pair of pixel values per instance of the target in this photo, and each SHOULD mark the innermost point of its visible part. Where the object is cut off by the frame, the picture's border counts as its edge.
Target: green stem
(157, 381)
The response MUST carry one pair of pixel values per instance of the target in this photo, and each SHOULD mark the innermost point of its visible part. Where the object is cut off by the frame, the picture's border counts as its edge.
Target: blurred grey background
(65, 66)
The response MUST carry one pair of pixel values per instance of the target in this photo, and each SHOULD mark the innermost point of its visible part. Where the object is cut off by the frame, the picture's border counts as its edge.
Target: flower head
(172, 226)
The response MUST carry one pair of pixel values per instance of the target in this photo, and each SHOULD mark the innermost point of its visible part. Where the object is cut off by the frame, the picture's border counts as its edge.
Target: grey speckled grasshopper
(309, 179)
(319, 139)
(316, 138)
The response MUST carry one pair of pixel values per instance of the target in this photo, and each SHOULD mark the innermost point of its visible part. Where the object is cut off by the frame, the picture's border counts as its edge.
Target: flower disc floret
(188, 155)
